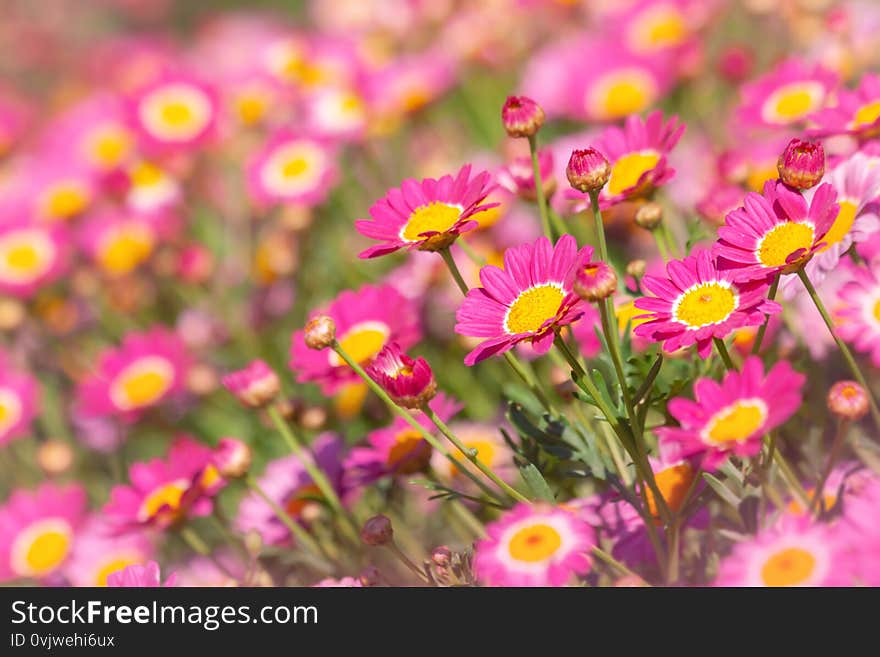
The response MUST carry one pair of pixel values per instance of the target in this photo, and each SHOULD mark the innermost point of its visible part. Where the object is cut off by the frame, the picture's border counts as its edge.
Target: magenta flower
(137, 575)
(255, 385)
(527, 300)
(731, 417)
(409, 382)
(427, 215)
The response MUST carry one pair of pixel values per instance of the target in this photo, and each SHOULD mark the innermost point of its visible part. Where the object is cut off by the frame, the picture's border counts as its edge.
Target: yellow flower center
(65, 200)
(877, 311)
(415, 98)
(350, 399)
(108, 146)
(626, 171)
(789, 567)
(783, 240)
(534, 543)
(142, 383)
(845, 219)
(758, 175)
(114, 565)
(177, 114)
(294, 167)
(47, 548)
(705, 304)
(433, 217)
(406, 443)
(165, 498)
(621, 93)
(673, 483)
(736, 423)
(251, 108)
(626, 314)
(661, 28)
(828, 499)
(533, 307)
(792, 102)
(10, 409)
(125, 248)
(145, 174)
(25, 255)
(866, 115)
(362, 342)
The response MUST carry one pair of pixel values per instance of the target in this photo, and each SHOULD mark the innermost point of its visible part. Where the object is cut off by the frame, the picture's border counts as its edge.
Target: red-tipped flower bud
(232, 458)
(255, 386)
(802, 164)
(522, 116)
(320, 332)
(409, 382)
(377, 531)
(588, 170)
(848, 400)
(595, 281)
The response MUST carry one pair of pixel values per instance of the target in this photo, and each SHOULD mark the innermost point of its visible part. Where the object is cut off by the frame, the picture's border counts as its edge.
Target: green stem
(478, 260)
(201, 548)
(600, 226)
(721, 348)
(539, 189)
(298, 448)
(791, 479)
(471, 455)
(847, 354)
(759, 338)
(614, 563)
(296, 530)
(446, 254)
(611, 336)
(406, 561)
(410, 420)
(817, 502)
(661, 245)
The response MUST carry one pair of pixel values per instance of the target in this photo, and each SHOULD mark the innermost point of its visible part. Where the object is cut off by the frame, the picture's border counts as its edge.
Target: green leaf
(536, 483)
(723, 491)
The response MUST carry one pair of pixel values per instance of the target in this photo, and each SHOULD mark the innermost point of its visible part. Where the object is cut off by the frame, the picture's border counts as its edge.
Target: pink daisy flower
(53, 188)
(534, 545)
(174, 112)
(409, 83)
(150, 188)
(428, 215)
(31, 256)
(397, 449)
(752, 163)
(337, 112)
(141, 576)
(698, 302)
(287, 482)
(785, 96)
(637, 153)
(99, 552)
(859, 528)
(120, 243)
(775, 233)
(37, 530)
(852, 112)
(858, 314)
(594, 80)
(526, 300)
(366, 320)
(794, 552)
(19, 401)
(732, 416)
(292, 168)
(164, 492)
(857, 184)
(143, 371)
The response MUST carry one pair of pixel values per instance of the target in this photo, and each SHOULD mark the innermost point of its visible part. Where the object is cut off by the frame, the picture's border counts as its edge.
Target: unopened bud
(588, 170)
(377, 531)
(55, 457)
(320, 332)
(636, 268)
(649, 216)
(595, 281)
(802, 164)
(522, 116)
(232, 458)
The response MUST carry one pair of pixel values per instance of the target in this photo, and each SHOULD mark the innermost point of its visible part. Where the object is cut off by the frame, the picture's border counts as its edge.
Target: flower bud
(377, 531)
(232, 458)
(441, 556)
(649, 216)
(848, 400)
(636, 268)
(595, 281)
(409, 382)
(802, 164)
(522, 116)
(320, 332)
(55, 457)
(588, 170)
(254, 386)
